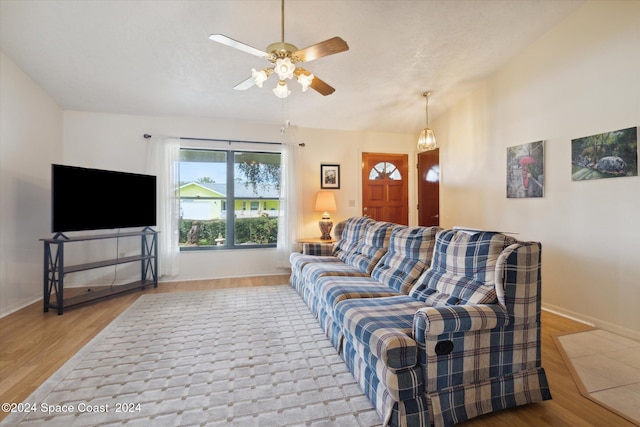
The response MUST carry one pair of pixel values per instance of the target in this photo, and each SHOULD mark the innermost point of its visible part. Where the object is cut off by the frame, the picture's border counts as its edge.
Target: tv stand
(55, 269)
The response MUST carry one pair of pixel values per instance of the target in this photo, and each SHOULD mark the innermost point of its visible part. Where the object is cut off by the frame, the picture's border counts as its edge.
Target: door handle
(435, 216)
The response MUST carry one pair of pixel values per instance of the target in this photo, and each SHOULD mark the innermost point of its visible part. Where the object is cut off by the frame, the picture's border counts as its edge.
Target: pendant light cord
(426, 95)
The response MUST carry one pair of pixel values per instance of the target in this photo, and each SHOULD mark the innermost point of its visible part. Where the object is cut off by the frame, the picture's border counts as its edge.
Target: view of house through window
(228, 198)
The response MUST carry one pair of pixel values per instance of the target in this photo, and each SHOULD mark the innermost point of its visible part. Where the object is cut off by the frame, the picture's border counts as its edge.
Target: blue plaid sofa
(460, 339)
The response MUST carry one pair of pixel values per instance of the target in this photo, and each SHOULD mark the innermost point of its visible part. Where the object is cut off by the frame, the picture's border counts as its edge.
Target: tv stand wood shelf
(55, 269)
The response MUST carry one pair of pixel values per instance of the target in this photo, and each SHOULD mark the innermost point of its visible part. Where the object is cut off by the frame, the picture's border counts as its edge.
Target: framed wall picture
(606, 155)
(525, 170)
(330, 176)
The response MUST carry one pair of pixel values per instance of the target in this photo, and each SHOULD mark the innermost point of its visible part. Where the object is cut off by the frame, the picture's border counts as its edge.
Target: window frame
(230, 200)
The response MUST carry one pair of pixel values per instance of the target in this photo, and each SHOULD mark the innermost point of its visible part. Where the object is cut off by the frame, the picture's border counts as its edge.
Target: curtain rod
(147, 136)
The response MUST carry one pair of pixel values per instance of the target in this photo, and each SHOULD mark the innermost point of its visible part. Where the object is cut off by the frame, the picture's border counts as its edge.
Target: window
(385, 170)
(228, 198)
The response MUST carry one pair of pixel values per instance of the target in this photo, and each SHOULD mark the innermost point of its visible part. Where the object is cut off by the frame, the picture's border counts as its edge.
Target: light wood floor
(33, 345)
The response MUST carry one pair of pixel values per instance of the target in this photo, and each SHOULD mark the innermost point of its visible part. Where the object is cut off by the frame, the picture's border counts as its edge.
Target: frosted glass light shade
(281, 90)
(284, 68)
(305, 81)
(259, 77)
(427, 140)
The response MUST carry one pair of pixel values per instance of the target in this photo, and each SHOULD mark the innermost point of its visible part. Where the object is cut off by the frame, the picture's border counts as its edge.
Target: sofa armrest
(394, 348)
(457, 318)
(320, 249)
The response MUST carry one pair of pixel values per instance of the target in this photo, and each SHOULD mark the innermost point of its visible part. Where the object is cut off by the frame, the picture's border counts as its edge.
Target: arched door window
(385, 170)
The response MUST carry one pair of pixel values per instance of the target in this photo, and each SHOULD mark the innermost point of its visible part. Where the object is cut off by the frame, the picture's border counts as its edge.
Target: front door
(385, 192)
(429, 188)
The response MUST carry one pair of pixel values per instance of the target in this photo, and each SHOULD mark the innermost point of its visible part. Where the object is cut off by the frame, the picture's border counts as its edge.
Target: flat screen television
(96, 199)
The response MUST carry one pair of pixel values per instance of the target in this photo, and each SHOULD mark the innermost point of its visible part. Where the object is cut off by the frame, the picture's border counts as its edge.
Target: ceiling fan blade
(321, 87)
(238, 45)
(325, 48)
(244, 85)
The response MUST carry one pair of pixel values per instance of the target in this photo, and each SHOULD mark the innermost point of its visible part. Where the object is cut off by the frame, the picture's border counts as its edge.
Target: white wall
(30, 140)
(580, 79)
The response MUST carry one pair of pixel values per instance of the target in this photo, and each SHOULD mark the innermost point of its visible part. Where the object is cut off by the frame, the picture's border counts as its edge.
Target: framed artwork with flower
(525, 170)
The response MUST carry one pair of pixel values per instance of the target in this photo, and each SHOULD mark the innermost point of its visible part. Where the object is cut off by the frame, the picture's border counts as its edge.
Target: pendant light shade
(427, 140)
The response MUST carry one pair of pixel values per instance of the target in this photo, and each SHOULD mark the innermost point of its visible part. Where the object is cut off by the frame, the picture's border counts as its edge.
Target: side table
(313, 240)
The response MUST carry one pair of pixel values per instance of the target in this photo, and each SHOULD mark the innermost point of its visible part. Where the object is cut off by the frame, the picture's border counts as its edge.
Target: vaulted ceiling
(155, 58)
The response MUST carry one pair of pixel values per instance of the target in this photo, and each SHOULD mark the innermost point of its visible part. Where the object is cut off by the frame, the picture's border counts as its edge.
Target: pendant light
(427, 140)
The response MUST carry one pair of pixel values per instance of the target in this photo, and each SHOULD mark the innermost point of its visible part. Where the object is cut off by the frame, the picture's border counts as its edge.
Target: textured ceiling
(155, 58)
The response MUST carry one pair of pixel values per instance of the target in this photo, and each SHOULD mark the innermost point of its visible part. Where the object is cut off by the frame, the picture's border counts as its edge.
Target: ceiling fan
(285, 57)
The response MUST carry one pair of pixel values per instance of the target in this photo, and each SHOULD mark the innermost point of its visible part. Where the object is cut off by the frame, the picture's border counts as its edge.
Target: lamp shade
(325, 201)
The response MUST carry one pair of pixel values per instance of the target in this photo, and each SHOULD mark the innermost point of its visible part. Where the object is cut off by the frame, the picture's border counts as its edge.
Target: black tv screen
(95, 199)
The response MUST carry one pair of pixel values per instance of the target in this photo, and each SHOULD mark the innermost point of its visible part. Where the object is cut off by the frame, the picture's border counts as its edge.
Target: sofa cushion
(463, 268)
(312, 272)
(409, 254)
(299, 261)
(372, 247)
(331, 290)
(351, 235)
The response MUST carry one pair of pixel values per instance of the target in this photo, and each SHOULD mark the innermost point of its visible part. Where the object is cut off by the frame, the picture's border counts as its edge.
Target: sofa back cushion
(372, 247)
(463, 268)
(351, 235)
(338, 229)
(409, 254)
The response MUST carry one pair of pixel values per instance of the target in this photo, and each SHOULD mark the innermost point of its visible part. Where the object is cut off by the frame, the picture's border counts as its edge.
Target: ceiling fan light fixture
(284, 68)
(305, 80)
(281, 90)
(427, 139)
(284, 57)
(259, 77)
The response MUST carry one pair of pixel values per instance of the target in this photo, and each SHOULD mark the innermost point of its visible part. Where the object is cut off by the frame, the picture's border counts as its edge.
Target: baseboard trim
(592, 321)
(174, 280)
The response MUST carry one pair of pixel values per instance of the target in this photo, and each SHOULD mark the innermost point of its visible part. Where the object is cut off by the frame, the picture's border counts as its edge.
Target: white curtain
(164, 155)
(289, 200)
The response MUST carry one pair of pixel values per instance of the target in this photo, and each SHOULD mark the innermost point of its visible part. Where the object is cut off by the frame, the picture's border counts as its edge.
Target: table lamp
(325, 202)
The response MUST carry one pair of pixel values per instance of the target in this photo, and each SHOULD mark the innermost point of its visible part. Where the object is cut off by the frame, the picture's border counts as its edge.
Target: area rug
(245, 357)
